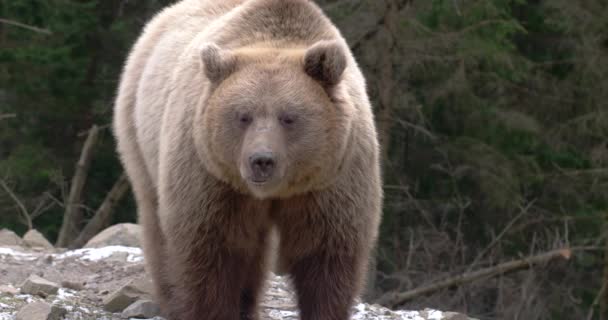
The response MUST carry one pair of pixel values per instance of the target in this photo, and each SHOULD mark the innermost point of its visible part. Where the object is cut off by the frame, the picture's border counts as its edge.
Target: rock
(141, 309)
(142, 284)
(35, 239)
(40, 311)
(74, 285)
(9, 238)
(135, 290)
(39, 286)
(48, 259)
(124, 234)
(8, 289)
(455, 316)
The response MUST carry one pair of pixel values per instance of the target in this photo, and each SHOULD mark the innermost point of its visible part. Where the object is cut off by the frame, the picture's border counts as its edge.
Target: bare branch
(596, 301)
(25, 26)
(457, 8)
(45, 204)
(523, 212)
(24, 211)
(55, 200)
(86, 132)
(7, 116)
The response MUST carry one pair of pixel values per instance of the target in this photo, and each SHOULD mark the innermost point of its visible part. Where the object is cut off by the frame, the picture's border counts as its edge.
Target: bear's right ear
(218, 63)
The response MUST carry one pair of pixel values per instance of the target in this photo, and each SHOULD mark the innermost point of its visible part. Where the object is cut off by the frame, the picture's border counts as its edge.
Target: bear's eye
(245, 119)
(287, 119)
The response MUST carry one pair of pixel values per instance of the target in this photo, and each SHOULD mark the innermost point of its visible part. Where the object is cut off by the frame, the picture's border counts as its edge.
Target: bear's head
(274, 122)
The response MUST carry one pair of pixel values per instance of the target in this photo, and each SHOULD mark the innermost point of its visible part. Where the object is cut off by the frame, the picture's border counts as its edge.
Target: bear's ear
(218, 63)
(325, 62)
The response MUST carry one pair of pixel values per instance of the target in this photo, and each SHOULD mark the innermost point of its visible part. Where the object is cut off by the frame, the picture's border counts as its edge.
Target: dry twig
(25, 26)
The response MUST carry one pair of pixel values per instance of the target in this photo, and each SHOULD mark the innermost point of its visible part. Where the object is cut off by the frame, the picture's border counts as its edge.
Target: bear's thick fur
(235, 118)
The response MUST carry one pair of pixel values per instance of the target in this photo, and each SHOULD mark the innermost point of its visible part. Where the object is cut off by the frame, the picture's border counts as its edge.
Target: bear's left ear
(218, 63)
(325, 62)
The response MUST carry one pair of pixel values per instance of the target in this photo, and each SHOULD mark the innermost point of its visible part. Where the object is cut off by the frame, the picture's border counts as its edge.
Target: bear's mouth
(258, 182)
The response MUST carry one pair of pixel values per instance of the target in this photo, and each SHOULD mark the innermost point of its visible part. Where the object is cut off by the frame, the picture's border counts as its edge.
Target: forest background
(493, 118)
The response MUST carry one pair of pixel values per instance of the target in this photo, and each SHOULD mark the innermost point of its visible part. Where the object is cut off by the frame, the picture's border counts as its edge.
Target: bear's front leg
(256, 274)
(326, 239)
(215, 244)
(207, 277)
(326, 285)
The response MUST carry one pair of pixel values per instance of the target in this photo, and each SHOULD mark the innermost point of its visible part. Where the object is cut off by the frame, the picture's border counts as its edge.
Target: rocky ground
(106, 280)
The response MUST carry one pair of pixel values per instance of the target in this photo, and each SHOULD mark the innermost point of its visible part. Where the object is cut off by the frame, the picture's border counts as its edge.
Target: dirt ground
(93, 274)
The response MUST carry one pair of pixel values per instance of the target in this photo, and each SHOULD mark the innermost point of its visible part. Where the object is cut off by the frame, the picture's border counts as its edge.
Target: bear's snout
(262, 166)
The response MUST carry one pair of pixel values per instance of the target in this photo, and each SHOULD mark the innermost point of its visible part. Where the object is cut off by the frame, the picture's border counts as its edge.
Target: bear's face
(272, 124)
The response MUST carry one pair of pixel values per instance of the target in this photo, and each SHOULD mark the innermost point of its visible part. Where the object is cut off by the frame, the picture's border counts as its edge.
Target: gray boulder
(39, 286)
(120, 299)
(35, 239)
(9, 238)
(40, 311)
(124, 234)
(141, 309)
(8, 289)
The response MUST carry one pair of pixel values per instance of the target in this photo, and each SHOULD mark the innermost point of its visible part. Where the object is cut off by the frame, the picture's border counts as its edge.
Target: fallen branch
(73, 215)
(398, 298)
(103, 215)
(496, 240)
(25, 26)
(7, 116)
(26, 215)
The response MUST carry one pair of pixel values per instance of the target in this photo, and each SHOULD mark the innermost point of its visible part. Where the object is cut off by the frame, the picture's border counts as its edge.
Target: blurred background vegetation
(493, 117)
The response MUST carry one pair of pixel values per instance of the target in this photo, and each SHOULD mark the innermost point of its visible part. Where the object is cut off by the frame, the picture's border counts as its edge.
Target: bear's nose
(262, 165)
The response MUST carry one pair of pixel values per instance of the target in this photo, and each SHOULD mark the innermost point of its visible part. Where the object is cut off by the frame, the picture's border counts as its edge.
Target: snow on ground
(96, 254)
(88, 254)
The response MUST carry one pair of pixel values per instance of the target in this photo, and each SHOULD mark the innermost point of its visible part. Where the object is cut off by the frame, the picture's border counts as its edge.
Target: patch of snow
(435, 315)
(28, 298)
(87, 254)
(16, 254)
(410, 315)
(85, 310)
(96, 254)
(63, 294)
(9, 251)
(376, 312)
(2, 305)
(6, 316)
(282, 314)
(135, 257)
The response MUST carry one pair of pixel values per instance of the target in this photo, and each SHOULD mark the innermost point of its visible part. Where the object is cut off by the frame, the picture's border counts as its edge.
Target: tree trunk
(386, 82)
(604, 293)
(103, 215)
(72, 217)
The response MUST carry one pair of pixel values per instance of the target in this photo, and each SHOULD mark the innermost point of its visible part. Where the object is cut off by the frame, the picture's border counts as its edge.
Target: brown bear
(235, 118)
